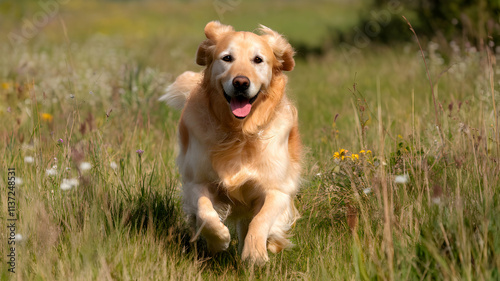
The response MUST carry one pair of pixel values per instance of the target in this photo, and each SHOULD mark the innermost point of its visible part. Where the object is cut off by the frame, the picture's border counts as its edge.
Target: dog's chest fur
(233, 160)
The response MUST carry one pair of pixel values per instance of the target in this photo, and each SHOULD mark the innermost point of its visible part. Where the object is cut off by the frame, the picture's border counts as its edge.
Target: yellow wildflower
(362, 151)
(47, 117)
(369, 151)
(342, 154)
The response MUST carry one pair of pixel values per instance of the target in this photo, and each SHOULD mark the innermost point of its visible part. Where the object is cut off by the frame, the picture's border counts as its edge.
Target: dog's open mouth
(240, 106)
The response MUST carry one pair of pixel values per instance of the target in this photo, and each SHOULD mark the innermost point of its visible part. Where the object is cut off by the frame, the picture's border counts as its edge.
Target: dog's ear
(213, 31)
(283, 51)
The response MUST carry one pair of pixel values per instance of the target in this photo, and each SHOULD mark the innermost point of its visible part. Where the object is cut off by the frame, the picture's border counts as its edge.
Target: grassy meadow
(396, 185)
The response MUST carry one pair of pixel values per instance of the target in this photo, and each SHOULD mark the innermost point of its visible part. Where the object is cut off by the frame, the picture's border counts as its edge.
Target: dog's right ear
(213, 31)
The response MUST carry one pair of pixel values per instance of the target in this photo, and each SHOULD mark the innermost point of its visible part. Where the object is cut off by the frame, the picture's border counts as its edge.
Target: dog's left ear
(213, 31)
(283, 51)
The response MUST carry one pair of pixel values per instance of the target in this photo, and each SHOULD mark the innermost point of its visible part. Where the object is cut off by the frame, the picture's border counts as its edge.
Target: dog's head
(241, 66)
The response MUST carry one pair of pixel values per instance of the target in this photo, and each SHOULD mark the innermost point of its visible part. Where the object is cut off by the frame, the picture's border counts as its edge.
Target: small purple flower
(60, 141)
(140, 152)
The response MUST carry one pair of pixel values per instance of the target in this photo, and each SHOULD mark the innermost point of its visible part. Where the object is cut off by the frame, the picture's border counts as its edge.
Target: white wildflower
(367, 190)
(68, 184)
(113, 165)
(18, 237)
(19, 181)
(65, 186)
(29, 159)
(51, 171)
(84, 166)
(436, 200)
(401, 179)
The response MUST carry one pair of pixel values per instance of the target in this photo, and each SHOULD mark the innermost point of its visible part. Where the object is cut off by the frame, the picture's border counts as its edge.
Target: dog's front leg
(207, 219)
(255, 248)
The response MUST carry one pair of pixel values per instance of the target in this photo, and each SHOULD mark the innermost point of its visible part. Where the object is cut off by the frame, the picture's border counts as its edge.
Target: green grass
(123, 221)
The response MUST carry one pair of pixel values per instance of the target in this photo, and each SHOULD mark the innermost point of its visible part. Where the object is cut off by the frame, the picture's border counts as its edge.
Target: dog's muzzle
(240, 102)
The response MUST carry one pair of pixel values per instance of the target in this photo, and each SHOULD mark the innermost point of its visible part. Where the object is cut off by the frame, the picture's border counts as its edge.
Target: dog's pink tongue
(240, 107)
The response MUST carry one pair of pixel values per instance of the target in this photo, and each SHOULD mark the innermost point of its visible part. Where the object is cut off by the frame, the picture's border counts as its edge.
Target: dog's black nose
(241, 83)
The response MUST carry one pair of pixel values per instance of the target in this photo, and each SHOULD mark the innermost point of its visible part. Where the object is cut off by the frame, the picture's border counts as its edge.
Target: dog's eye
(257, 60)
(227, 58)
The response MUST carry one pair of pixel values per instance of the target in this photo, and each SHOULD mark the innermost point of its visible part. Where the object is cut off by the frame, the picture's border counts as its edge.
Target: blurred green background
(176, 24)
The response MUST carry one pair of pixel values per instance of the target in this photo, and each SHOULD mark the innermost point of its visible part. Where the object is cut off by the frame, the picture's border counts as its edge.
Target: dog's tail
(177, 93)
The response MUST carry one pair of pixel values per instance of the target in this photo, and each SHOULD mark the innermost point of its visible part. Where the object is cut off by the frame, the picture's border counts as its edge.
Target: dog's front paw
(254, 251)
(215, 233)
(217, 240)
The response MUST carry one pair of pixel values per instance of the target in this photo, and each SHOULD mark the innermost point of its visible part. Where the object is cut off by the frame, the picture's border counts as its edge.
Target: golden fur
(244, 169)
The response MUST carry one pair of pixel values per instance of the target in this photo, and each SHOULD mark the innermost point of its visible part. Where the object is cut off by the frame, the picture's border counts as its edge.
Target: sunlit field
(401, 171)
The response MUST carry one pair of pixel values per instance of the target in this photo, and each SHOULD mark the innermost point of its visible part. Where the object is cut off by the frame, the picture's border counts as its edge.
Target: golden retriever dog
(240, 149)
